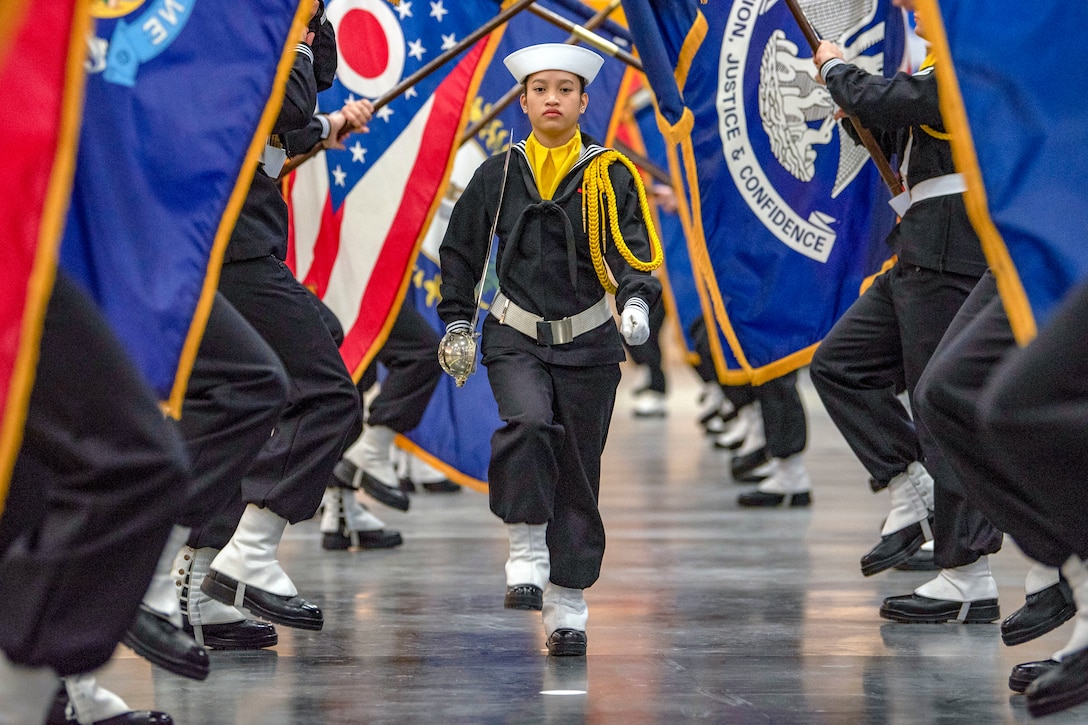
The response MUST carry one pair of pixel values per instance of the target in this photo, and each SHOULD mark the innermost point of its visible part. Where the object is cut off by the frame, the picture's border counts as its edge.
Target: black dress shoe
(288, 611)
(743, 465)
(407, 485)
(920, 560)
(157, 640)
(567, 643)
(136, 717)
(893, 549)
(443, 486)
(754, 499)
(1043, 611)
(524, 596)
(1025, 673)
(342, 540)
(919, 609)
(347, 473)
(58, 715)
(1060, 689)
(241, 635)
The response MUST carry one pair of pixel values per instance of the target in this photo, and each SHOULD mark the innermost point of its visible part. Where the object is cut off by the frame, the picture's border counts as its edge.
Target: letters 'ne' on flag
(786, 217)
(179, 99)
(41, 71)
(1018, 133)
(455, 432)
(358, 214)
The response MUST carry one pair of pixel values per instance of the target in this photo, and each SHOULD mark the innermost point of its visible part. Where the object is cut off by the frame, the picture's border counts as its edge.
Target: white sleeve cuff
(639, 303)
(326, 128)
(306, 51)
(459, 326)
(830, 64)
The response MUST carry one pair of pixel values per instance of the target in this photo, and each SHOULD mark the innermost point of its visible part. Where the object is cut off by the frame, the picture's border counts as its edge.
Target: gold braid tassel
(597, 186)
(941, 135)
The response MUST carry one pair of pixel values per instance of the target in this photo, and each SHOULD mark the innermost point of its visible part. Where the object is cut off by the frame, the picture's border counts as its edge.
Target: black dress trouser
(98, 484)
(410, 356)
(295, 464)
(889, 335)
(1035, 414)
(947, 399)
(236, 393)
(546, 457)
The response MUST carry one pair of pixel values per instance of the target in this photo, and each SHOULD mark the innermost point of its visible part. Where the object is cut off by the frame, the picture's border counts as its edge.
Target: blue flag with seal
(1018, 132)
(180, 96)
(454, 435)
(786, 214)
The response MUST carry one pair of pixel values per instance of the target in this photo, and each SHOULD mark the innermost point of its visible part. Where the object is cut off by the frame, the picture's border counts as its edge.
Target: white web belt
(550, 332)
(929, 189)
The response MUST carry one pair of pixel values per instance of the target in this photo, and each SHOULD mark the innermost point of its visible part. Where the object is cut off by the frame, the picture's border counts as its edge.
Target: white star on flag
(358, 153)
(359, 212)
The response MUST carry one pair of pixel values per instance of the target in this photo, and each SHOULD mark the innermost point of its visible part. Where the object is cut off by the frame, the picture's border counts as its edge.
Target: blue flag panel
(1028, 122)
(791, 212)
(176, 90)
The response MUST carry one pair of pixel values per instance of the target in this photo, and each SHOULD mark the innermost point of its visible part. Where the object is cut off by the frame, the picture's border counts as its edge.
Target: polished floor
(704, 612)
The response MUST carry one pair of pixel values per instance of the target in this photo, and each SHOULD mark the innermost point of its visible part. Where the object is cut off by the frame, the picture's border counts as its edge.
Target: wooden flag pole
(295, 161)
(867, 140)
(453, 52)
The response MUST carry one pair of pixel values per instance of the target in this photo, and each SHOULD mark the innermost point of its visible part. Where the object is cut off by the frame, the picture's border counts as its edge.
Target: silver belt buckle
(554, 332)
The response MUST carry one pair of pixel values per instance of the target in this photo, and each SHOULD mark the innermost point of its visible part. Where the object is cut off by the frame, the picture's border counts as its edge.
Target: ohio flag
(357, 214)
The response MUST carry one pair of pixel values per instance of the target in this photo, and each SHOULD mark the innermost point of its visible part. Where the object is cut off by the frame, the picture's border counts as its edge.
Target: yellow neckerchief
(551, 165)
(929, 62)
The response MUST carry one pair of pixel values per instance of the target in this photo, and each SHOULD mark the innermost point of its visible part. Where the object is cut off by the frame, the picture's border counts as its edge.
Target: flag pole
(643, 163)
(584, 32)
(867, 140)
(295, 161)
(456, 50)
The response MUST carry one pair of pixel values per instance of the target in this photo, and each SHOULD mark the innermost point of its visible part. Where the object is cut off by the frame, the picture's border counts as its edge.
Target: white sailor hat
(553, 56)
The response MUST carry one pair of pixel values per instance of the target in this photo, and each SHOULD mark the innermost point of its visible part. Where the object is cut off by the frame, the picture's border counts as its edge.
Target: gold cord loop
(597, 187)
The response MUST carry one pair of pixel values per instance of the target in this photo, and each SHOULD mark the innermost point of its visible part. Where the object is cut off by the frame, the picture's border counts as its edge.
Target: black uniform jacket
(261, 229)
(935, 233)
(539, 243)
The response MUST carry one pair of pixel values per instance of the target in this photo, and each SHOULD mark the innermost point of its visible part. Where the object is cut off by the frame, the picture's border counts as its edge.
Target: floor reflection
(704, 612)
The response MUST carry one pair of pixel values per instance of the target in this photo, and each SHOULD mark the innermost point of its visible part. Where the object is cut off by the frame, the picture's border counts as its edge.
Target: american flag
(358, 213)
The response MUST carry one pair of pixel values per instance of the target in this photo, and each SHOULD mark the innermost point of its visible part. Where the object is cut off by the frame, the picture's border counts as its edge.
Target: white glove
(635, 322)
